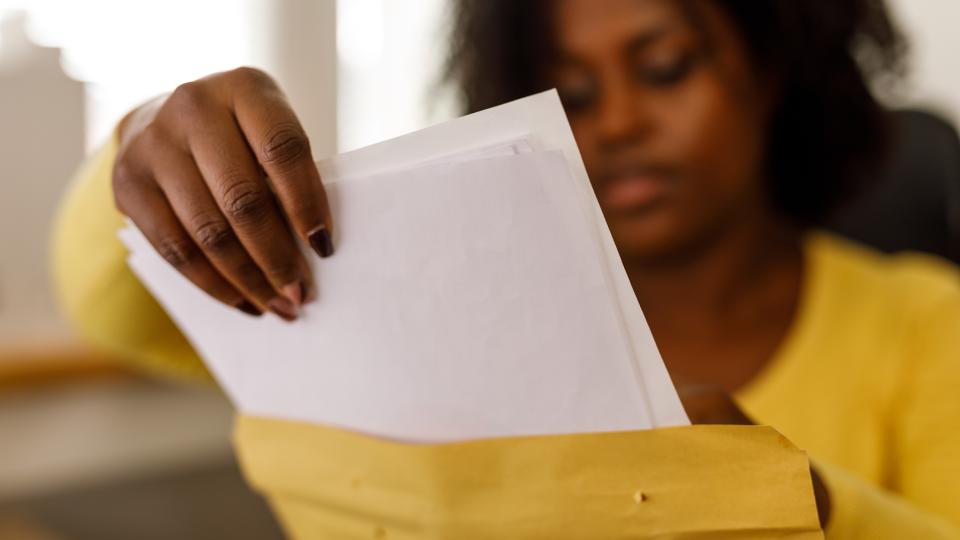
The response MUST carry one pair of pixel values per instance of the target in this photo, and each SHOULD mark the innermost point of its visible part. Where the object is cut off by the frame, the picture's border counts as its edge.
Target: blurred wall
(389, 58)
(41, 141)
(931, 26)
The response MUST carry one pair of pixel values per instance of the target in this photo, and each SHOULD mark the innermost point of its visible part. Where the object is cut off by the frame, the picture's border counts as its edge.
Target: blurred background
(92, 450)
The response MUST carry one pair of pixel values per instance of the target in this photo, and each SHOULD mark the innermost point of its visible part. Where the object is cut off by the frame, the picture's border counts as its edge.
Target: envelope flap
(685, 482)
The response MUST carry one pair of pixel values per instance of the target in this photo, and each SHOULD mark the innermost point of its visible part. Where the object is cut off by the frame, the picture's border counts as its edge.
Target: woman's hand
(191, 172)
(707, 404)
(711, 405)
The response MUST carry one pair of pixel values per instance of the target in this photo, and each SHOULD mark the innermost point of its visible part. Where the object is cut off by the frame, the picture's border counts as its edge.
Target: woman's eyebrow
(648, 37)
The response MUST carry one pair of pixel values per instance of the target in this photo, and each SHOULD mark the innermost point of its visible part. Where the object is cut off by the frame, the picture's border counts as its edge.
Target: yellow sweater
(867, 382)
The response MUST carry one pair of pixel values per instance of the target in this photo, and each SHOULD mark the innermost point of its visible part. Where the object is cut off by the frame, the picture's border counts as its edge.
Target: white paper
(472, 294)
(539, 119)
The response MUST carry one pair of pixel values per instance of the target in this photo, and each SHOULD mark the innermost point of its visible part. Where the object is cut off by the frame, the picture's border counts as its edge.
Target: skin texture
(671, 119)
(191, 173)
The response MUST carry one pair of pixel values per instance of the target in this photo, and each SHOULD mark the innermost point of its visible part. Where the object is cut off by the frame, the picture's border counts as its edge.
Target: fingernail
(294, 291)
(309, 294)
(283, 308)
(247, 307)
(320, 242)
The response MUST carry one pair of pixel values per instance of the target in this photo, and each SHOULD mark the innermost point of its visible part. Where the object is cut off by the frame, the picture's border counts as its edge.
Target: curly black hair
(828, 133)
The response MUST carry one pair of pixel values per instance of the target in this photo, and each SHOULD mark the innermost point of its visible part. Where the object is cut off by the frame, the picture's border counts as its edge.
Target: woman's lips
(631, 192)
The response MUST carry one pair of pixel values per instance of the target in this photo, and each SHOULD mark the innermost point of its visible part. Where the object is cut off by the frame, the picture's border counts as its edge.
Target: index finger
(283, 150)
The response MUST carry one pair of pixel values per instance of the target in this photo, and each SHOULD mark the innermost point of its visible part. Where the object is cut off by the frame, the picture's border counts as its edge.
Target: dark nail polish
(307, 293)
(321, 243)
(247, 307)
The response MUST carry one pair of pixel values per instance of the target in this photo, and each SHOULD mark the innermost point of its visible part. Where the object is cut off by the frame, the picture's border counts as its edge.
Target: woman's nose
(621, 113)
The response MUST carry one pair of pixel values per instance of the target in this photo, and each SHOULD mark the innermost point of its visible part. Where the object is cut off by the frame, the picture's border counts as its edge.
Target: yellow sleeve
(862, 510)
(97, 291)
(925, 443)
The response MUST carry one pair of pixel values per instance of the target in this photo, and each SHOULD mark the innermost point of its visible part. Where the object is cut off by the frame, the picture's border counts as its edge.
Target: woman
(717, 134)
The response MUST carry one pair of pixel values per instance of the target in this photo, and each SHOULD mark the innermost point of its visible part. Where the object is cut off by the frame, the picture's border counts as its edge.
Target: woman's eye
(666, 74)
(577, 97)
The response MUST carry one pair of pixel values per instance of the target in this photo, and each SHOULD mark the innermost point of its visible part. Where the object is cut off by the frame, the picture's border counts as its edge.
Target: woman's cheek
(719, 142)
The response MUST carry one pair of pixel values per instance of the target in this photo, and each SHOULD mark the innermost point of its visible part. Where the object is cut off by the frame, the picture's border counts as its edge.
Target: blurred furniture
(27, 367)
(211, 502)
(915, 203)
(99, 454)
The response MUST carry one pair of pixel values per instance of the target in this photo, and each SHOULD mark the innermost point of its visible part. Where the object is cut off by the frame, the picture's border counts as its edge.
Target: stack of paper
(475, 292)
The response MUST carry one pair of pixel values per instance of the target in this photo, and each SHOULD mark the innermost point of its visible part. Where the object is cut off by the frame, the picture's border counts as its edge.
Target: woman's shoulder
(867, 318)
(909, 280)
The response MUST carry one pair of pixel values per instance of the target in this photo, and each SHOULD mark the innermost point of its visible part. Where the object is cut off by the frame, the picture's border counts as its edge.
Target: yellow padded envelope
(723, 482)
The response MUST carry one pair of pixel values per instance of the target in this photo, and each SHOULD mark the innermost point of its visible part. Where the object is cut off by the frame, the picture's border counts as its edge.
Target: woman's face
(670, 119)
